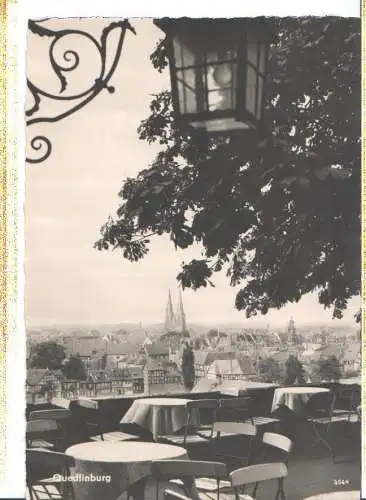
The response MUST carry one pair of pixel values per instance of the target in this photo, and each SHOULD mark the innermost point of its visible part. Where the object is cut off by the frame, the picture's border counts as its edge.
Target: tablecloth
(160, 416)
(294, 398)
(105, 470)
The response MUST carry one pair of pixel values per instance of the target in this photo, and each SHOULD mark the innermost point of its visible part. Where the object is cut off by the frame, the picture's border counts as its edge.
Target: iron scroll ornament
(71, 59)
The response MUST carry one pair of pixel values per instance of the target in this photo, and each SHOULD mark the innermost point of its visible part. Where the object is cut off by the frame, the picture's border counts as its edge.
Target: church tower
(169, 315)
(175, 322)
(180, 317)
(291, 332)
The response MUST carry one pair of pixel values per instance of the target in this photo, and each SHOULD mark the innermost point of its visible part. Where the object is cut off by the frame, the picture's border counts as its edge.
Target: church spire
(180, 317)
(169, 315)
(291, 332)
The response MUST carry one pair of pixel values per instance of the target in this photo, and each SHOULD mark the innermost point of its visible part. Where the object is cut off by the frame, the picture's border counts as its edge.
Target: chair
(257, 474)
(237, 409)
(187, 471)
(193, 434)
(244, 406)
(223, 430)
(347, 400)
(346, 409)
(39, 433)
(273, 441)
(58, 414)
(319, 414)
(174, 495)
(93, 418)
(41, 465)
(229, 430)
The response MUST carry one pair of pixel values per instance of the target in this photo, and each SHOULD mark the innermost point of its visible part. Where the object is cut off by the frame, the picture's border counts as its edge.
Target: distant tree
(188, 367)
(103, 362)
(48, 354)
(213, 337)
(269, 370)
(213, 333)
(200, 343)
(74, 368)
(329, 369)
(295, 372)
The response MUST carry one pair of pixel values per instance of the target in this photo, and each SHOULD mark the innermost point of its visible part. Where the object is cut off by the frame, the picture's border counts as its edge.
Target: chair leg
(280, 494)
(321, 439)
(31, 492)
(254, 492)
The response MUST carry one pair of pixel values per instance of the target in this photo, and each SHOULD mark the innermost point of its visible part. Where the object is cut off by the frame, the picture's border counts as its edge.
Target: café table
(337, 495)
(106, 470)
(160, 416)
(295, 398)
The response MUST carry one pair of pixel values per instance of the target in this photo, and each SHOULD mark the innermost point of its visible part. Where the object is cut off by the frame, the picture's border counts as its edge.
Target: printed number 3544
(340, 482)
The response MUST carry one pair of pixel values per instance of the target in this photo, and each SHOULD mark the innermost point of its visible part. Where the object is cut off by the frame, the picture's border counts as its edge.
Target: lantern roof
(206, 25)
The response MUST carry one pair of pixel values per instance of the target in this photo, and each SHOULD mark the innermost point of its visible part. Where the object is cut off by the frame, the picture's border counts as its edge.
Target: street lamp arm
(71, 60)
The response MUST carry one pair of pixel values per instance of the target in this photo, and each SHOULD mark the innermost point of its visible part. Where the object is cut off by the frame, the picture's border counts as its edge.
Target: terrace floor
(306, 478)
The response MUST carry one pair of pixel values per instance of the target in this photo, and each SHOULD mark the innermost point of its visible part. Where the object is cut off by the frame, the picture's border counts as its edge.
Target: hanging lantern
(218, 70)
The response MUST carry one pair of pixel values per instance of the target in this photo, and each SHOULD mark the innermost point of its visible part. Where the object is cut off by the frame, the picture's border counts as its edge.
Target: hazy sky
(71, 195)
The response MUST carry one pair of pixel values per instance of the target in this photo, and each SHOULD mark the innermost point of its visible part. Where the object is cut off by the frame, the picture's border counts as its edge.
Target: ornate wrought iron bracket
(71, 59)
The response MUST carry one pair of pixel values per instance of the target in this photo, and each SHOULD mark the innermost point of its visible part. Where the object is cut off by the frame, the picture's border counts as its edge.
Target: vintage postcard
(190, 201)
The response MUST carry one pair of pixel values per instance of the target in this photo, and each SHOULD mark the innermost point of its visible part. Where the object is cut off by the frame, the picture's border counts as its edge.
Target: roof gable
(157, 349)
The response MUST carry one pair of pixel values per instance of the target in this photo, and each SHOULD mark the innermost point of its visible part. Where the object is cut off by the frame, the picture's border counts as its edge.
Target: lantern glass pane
(220, 55)
(260, 97)
(191, 105)
(177, 53)
(187, 76)
(182, 54)
(220, 99)
(186, 91)
(220, 79)
(252, 53)
(262, 58)
(251, 89)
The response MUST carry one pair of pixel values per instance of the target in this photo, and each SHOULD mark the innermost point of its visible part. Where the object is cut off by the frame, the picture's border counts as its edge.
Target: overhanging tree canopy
(282, 214)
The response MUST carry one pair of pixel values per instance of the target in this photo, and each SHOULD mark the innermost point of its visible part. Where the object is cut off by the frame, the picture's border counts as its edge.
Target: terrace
(311, 471)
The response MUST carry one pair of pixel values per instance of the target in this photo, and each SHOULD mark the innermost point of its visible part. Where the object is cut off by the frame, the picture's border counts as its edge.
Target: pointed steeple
(291, 332)
(180, 317)
(169, 314)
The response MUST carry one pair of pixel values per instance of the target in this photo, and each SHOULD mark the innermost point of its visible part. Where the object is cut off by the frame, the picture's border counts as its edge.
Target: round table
(160, 416)
(337, 495)
(294, 398)
(105, 470)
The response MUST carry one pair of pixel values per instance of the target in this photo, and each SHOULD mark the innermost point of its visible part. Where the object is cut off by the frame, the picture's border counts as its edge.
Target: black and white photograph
(193, 258)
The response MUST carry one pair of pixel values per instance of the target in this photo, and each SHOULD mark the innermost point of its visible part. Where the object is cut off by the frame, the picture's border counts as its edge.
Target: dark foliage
(280, 215)
(74, 368)
(47, 355)
(295, 372)
(269, 370)
(188, 367)
(329, 369)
